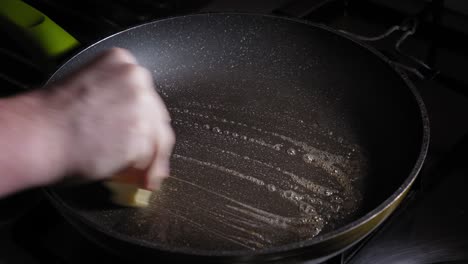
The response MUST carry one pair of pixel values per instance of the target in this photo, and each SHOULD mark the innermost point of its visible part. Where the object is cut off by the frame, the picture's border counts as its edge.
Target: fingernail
(162, 167)
(155, 183)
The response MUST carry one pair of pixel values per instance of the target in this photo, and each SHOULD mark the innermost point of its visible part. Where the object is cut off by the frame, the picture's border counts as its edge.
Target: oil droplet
(328, 193)
(185, 110)
(309, 158)
(235, 135)
(216, 130)
(271, 187)
(244, 137)
(252, 139)
(278, 168)
(224, 120)
(291, 151)
(206, 126)
(335, 171)
(306, 208)
(340, 140)
(226, 132)
(277, 147)
(288, 194)
(330, 133)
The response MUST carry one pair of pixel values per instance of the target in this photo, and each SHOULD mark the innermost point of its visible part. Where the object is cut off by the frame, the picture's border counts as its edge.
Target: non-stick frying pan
(293, 141)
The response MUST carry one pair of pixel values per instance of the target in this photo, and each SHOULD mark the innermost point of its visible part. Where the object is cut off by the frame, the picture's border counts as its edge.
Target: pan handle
(39, 35)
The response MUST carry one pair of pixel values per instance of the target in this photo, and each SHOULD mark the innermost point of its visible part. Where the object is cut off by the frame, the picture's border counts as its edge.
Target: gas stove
(426, 39)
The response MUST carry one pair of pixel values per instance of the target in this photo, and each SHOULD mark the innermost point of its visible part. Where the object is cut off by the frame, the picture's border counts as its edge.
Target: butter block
(128, 195)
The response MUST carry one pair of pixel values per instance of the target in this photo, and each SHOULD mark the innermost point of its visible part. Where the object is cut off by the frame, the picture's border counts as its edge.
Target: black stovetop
(429, 227)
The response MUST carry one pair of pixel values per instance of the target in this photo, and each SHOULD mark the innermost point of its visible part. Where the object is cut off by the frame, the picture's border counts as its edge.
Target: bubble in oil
(235, 134)
(277, 147)
(206, 126)
(288, 194)
(252, 139)
(271, 187)
(226, 132)
(224, 120)
(291, 151)
(244, 137)
(216, 130)
(337, 199)
(306, 208)
(185, 110)
(340, 140)
(309, 158)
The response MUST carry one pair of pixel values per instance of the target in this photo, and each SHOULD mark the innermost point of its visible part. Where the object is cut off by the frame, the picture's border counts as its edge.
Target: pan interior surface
(285, 131)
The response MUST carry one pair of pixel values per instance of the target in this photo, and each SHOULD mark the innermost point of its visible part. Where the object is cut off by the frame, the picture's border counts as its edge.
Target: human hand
(114, 120)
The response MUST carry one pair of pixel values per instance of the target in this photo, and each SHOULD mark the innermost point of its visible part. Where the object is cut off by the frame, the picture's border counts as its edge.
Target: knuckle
(126, 69)
(119, 53)
(134, 73)
(141, 73)
(170, 137)
(132, 94)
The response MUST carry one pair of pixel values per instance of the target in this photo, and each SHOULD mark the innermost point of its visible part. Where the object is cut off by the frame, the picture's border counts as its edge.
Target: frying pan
(293, 141)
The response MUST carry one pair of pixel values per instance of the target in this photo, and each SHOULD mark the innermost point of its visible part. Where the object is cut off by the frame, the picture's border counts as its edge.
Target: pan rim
(364, 219)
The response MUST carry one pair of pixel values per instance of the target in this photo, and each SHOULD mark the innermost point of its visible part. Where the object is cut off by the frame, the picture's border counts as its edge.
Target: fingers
(153, 159)
(125, 130)
(162, 139)
(160, 167)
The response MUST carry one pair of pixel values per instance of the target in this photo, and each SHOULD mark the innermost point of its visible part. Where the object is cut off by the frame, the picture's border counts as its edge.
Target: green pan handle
(35, 31)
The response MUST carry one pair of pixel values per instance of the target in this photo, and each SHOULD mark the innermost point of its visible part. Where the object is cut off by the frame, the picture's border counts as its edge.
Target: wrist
(45, 146)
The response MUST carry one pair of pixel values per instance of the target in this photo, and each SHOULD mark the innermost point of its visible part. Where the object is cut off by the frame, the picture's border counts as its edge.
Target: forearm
(31, 149)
